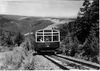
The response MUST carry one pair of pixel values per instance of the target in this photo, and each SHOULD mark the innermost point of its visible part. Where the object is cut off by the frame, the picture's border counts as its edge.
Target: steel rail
(58, 63)
(80, 61)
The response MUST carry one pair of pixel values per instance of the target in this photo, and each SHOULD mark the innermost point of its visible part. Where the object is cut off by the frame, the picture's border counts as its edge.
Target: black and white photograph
(49, 35)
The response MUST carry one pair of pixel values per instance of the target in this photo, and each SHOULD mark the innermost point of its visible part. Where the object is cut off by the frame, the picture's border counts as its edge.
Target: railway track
(69, 63)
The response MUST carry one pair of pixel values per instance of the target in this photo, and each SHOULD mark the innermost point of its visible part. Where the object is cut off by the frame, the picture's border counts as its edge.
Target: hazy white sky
(54, 8)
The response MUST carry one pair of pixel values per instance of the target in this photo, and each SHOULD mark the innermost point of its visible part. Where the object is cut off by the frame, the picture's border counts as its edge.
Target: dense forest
(80, 38)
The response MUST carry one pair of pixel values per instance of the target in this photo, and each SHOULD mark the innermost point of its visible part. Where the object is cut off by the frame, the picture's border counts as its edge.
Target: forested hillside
(13, 28)
(80, 38)
(22, 24)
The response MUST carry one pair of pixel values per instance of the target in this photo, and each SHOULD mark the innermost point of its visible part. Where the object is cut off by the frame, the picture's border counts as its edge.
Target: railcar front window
(47, 30)
(40, 38)
(47, 38)
(48, 34)
(39, 33)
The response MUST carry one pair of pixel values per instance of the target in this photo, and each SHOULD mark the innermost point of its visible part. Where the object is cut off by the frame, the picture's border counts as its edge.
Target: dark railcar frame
(47, 46)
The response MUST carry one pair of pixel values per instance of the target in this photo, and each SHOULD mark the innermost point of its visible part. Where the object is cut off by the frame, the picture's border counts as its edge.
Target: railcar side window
(54, 31)
(55, 38)
(55, 34)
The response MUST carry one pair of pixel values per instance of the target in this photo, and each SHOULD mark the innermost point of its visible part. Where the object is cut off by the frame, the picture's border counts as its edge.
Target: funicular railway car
(47, 40)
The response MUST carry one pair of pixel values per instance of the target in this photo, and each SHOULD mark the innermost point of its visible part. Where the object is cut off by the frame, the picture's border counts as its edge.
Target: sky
(44, 8)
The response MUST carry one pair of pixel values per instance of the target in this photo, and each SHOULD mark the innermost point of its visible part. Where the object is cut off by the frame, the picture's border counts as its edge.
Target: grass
(16, 59)
(12, 60)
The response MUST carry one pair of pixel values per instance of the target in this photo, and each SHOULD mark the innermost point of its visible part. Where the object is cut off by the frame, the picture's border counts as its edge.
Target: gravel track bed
(41, 63)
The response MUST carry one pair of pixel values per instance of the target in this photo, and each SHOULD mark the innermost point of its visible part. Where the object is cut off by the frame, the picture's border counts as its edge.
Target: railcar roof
(47, 30)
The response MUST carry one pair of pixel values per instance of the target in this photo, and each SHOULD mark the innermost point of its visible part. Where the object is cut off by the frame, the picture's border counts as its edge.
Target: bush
(13, 59)
(8, 38)
(29, 65)
(19, 39)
